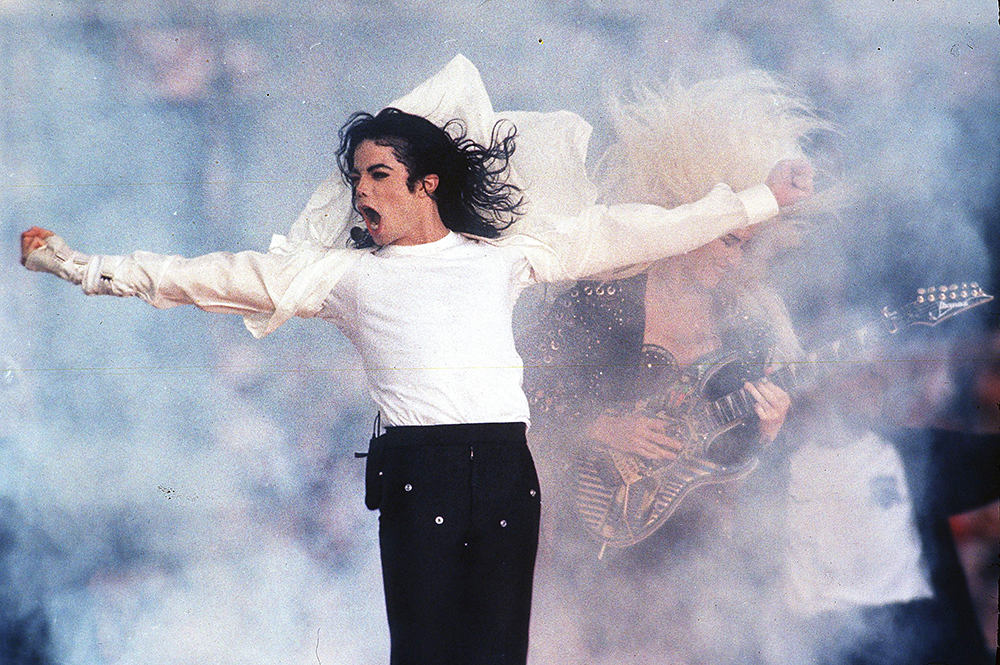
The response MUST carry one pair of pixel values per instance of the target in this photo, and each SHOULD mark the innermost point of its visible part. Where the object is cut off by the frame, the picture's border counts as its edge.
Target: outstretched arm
(603, 239)
(245, 283)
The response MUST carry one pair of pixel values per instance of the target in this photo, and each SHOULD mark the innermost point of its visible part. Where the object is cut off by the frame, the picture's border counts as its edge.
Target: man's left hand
(791, 181)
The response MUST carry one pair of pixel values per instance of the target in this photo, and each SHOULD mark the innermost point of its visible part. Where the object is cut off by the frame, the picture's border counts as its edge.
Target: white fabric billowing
(563, 235)
(549, 165)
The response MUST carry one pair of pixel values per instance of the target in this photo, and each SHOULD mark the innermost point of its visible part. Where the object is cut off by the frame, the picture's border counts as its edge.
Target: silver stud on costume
(439, 520)
(408, 487)
(503, 522)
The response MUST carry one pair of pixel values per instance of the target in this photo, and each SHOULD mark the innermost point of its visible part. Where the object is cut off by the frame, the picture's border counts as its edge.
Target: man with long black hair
(426, 295)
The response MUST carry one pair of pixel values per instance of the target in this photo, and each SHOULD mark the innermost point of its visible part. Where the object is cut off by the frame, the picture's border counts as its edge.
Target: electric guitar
(623, 498)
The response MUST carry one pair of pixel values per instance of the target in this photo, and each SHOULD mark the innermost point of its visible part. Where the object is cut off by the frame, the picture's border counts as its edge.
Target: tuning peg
(964, 293)
(975, 285)
(952, 295)
(921, 291)
(931, 298)
(932, 289)
(954, 287)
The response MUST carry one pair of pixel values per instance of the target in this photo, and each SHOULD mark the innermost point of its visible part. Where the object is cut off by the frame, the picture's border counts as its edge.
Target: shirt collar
(424, 249)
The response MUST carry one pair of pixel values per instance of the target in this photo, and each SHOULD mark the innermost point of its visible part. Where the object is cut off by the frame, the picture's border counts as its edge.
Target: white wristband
(57, 258)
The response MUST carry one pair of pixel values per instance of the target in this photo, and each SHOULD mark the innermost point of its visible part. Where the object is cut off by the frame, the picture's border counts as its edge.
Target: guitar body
(623, 498)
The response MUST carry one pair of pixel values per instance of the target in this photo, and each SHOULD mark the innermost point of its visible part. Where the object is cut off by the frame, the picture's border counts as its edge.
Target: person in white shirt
(871, 574)
(428, 306)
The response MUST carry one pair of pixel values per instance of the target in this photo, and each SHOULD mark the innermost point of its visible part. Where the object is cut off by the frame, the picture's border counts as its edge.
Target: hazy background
(173, 491)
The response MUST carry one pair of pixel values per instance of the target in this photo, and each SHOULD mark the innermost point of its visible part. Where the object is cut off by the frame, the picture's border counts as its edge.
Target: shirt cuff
(92, 276)
(102, 277)
(759, 202)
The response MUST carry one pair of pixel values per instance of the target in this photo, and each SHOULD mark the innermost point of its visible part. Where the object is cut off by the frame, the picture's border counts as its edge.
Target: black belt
(454, 435)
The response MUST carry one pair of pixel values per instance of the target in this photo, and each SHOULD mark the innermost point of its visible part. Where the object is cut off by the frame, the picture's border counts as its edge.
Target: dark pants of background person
(918, 632)
(458, 533)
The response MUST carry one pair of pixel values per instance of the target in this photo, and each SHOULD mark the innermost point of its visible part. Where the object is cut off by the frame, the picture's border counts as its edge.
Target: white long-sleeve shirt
(431, 322)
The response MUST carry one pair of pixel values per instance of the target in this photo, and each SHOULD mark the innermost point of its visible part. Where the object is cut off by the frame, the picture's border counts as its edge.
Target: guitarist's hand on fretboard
(772, 404)
(635, 473)
(636, 434)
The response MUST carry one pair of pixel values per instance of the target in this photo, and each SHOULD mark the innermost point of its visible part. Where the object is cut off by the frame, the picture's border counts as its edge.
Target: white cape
(548, 165)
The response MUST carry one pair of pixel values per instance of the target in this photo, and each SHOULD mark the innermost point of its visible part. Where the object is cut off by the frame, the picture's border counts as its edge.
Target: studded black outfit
(587, 357)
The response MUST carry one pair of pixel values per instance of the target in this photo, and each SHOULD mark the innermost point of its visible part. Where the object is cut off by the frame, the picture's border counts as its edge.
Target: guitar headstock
(936, 304)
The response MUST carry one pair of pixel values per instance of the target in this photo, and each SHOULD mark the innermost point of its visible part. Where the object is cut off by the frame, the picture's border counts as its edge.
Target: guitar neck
(796, 375)
(931, 306)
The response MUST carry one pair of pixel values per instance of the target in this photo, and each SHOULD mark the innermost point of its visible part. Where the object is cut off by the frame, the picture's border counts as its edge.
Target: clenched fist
(32, 239)
(791, 181)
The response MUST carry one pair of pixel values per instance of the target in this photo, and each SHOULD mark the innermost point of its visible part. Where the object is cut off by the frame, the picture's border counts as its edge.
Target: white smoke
(175, 497)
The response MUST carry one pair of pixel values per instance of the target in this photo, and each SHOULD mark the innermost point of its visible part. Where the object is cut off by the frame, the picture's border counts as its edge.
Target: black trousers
(458, 532)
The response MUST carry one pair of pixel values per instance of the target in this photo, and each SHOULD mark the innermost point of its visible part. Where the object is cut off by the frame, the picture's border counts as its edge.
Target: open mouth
(371, 217)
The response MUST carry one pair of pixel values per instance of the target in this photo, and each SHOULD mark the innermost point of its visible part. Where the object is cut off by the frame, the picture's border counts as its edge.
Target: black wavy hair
(472, 196)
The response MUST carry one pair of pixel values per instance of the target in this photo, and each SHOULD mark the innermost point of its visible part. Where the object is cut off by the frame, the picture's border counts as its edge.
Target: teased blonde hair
(673, 145)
